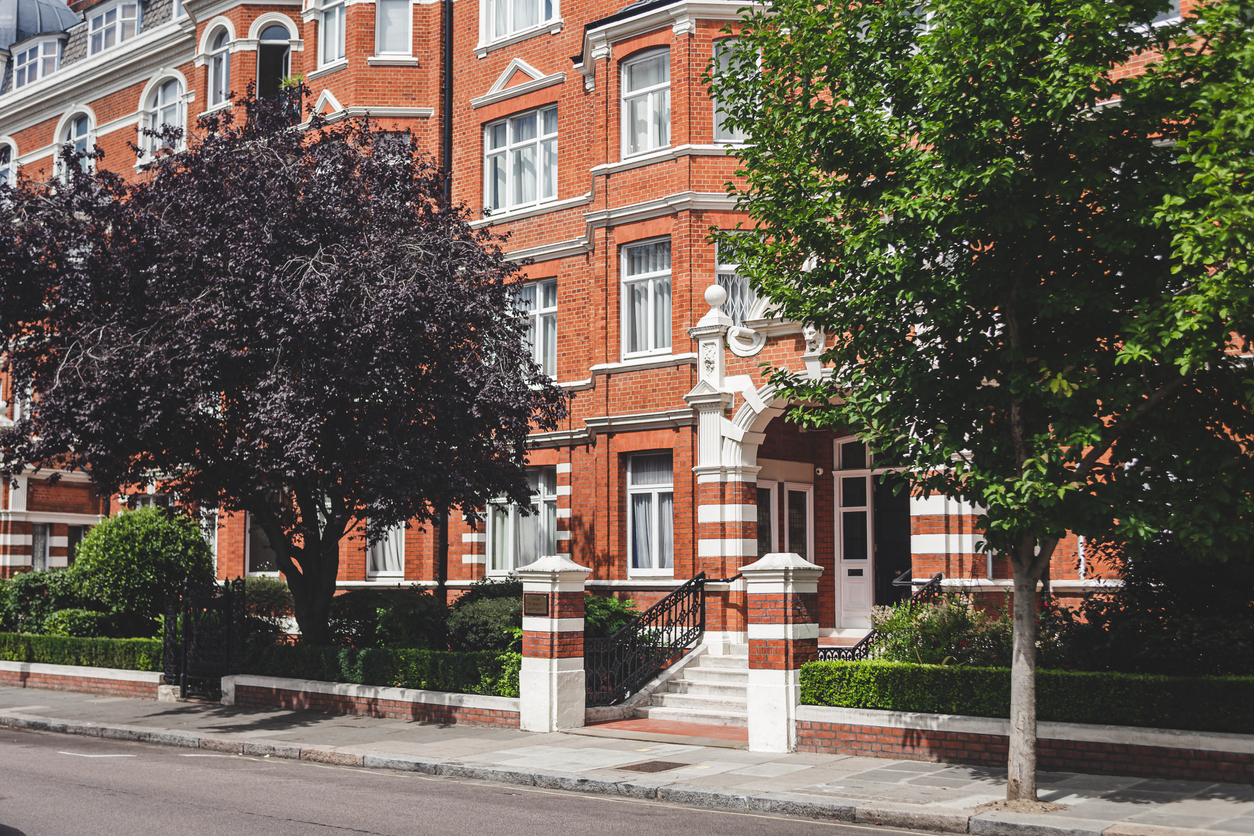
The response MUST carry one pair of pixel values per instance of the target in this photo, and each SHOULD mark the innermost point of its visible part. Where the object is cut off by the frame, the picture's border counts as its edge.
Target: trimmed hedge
(484, 672)
(123, 654)
(1212, 703)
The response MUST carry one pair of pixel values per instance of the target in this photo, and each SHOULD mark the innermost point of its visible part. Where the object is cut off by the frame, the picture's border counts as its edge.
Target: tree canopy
(986, 202)
(285, 320)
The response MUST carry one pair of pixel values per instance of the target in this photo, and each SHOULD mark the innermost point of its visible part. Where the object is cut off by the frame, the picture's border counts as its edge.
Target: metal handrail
(862, 650)
(620, 665)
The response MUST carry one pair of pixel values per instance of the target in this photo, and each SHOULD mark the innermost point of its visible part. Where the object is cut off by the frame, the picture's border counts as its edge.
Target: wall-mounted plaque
(536, 603)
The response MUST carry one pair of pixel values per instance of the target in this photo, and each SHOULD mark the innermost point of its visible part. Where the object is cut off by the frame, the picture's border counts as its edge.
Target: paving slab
(916, 795)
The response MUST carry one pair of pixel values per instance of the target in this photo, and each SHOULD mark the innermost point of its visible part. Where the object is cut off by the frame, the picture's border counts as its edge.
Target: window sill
(650, 574)
(327, 69)
(215, 109)
(392, 61)
(645, 357)
(386, 579)
(552, 27)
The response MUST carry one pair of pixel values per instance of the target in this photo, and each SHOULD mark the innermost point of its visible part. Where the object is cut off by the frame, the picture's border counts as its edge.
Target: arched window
(219, 68)
(77, 135)
(8, 164)
(165, 107)
(274, 56)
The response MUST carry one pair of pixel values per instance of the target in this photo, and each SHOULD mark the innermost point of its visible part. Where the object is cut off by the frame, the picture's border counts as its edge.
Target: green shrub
(131, 563)
(33, 596)
(491, 673)
(948, 631)
(123, 654)
(267, 607)
(396, 617)
(487, 624)
(605, 615)
(488, 589)
(78, 622)
(1219, 704)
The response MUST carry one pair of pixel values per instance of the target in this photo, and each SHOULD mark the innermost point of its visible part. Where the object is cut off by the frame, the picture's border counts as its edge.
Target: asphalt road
(57, 785)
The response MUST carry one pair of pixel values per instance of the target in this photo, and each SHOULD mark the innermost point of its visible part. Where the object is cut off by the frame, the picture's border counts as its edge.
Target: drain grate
(652, 766)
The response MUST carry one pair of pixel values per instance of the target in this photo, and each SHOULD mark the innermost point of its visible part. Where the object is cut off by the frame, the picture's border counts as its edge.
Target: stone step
(709, 689)
(713, 718)
(700, 702)
(715, 676)
(733, 662)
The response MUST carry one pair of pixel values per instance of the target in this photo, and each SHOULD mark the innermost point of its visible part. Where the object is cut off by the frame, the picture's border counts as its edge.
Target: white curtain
(642, 531)
(394, 26)
(666, 531)
(639, 314)
(662, 313)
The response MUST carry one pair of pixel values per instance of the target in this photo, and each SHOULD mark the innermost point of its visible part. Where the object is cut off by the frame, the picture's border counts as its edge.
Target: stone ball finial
(715, 296)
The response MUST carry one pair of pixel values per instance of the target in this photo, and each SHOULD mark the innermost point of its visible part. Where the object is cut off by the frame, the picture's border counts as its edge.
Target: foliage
(489, 588)
(123, 654)
(131, 563)
(30, 597)
(946, 190)
(327, 319)
(605, 615)
(396, 617)
(79, 623)
(950, 631)
(266, 597)
(1218, 704)
(486, 672)
(1167, 617)
(487, 624)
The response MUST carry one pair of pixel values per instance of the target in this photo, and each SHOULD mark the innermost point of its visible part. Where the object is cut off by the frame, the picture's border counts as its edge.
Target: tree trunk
(1028, 564)
(312, 591)
(441, 558)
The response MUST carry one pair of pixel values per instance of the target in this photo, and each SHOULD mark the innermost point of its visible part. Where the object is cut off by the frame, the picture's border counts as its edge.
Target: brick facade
(606, 200)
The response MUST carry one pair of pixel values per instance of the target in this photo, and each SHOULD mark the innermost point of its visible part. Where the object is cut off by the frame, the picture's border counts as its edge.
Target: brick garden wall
(374, 706)
(1055, 755)
(135, 684)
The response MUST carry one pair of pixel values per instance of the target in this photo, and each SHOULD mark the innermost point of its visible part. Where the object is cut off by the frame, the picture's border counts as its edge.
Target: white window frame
(544, 147)
(113, 21)
(655, 492)
(538, 316)
(153, 118)
(248, 552)
(1167, 18)
(379, 20)
(219, 64)
(69, 135)
(335, 11)
(503, 519)
(721, 133)
(806, 488)
(209, 528)
(741, 297)
(284, 43)
(38, 60)
(8, 167)
(548, 13)
(661, 90)
(773, 537)
(40, 546)
(376, 554)
(651, 279)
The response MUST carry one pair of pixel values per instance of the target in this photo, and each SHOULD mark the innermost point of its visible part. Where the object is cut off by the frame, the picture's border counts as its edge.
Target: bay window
(647, 103)
(520, 160)
(647, 298)
(517, 539)
(650, 514)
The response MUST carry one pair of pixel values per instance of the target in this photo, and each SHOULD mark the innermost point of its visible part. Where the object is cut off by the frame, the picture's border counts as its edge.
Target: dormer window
(35, 62)
(112, 27)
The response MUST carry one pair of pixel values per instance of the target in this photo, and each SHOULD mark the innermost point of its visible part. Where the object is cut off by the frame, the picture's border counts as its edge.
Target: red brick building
(585, 129)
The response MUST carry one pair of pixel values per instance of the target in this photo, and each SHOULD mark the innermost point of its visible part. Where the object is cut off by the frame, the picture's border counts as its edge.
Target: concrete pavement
(907, 794)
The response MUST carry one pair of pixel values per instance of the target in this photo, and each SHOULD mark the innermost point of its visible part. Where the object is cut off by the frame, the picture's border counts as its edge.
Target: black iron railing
(620, 665)
(204, 638)
(926, 593)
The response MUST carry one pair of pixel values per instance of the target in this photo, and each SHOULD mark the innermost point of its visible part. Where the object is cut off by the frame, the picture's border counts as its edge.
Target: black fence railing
(618, 666)
(926, 593)
(204, 637)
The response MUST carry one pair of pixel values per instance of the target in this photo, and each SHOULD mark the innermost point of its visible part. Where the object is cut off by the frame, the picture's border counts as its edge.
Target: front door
(872, 533)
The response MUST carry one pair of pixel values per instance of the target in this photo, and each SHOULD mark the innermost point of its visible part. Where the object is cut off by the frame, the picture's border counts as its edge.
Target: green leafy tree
(132, 563)
(964, 193)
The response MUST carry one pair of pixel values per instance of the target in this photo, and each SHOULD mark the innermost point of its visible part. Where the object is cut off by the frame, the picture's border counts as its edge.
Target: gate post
(783, 628)
(551, 684)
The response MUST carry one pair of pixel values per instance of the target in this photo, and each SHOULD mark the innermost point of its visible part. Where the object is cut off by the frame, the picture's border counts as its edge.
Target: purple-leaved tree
(286, 321)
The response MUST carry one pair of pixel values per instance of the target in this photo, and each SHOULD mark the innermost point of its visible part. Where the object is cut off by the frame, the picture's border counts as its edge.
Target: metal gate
(204, 637)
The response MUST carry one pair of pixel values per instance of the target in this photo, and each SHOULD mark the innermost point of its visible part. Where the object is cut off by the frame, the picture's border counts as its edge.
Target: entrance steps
(712, 690)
